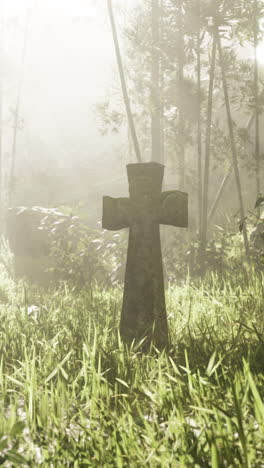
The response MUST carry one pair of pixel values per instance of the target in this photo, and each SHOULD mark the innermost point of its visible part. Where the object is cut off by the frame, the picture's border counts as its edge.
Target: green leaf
(17, 428)
(17, 458)
(20, 384)
(215, 463)
(3, 443)
(257, 398)
(211, 364)
(122, 382)
(59, 367)
(259, 202)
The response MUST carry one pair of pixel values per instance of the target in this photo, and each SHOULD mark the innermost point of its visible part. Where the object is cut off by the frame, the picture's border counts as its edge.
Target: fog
(58, 64)
(59, 57)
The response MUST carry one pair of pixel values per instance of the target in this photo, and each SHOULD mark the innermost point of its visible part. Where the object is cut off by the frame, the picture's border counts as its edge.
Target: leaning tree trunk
(233, 145)
(225, 181)
(208, 150)
(123, 83)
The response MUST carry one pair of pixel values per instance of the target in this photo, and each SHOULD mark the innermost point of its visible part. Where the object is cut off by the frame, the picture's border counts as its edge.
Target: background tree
(123, 83)
(1, 119)
(199, 81)
(17, 119)
(155, 82)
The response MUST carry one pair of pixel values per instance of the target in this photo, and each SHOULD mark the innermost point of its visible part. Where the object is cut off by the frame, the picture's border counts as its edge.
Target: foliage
(224, 254)
(81, 255)
(235, 22)
(84, 257)
(72, 395)
(187, 28)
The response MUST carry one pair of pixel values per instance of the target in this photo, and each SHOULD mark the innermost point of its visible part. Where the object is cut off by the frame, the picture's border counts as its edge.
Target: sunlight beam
(260, 54)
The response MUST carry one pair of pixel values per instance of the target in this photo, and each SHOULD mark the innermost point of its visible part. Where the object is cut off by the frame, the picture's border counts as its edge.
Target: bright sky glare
(63, 8)
(52, 7)
(260, 54)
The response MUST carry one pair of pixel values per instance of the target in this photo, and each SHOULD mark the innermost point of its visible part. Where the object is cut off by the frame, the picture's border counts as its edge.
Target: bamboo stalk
(2, 208)
(220, 193)
(162, 127)
(233, 144)
(208, 148)
(155, 83)
(199, 123)
(181, 116)
(256, 92)
(123, 83)
(16, 116)
(225, 180)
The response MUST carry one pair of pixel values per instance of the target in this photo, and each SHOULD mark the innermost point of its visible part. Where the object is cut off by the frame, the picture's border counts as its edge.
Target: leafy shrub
(224, 254)
(82, 255)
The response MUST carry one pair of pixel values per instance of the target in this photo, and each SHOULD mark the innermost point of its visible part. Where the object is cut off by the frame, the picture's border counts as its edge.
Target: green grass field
(72, 395)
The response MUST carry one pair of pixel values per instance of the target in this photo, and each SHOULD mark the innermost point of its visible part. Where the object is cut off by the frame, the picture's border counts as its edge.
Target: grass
(71, 395)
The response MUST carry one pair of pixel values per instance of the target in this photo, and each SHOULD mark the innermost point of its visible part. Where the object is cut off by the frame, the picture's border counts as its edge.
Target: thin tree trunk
(220, 193)
(199, 124)
(155, 83)
(180, 81)
(11, 188)
(233, 145)
(2, 207)
(225, 181)
(123, 83)
(162, 129)
(256, 92)
(208, 148)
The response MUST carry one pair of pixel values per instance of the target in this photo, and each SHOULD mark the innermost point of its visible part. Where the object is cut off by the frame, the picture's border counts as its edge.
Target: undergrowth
(72, 395)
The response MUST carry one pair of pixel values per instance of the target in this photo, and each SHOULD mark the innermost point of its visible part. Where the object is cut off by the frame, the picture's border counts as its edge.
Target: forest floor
(71, 395)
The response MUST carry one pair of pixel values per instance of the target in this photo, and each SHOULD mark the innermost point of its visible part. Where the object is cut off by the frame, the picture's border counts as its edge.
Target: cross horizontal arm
(115, 213)
(174, 208)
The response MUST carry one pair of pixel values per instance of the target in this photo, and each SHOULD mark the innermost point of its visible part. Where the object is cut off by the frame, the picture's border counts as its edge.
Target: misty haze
(132, 233)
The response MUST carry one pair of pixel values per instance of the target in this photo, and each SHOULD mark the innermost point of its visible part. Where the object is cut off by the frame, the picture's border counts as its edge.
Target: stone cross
(144, 310)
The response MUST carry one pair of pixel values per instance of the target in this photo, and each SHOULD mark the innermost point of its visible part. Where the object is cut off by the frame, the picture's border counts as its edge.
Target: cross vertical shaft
(144, 310)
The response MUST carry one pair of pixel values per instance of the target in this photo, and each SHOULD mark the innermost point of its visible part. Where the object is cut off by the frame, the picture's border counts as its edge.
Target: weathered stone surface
(144, 310)
(29, 244)
(25, 239)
